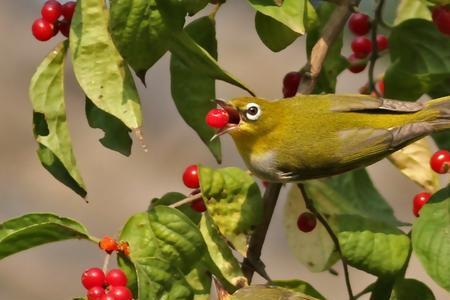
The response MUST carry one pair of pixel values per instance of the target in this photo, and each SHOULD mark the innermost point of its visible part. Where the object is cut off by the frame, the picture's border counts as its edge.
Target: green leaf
(162, 242)
(225, 266)
(262, 292)
(139, 32)
(234, 202)
(291, 13)
(371, 245)
(416, 40)
(411, 289)
(158, 279)
(200, 281)
(117, 135)
(275, 35)
(179, 240)
(298, 286)
(197, 59)
(431, 237)
(33, 230)
(351, 193)
(50, 124)
(314, 249)
(98, 66)
(412, 9)
(334, 63)
(192, 90)
(171, 198)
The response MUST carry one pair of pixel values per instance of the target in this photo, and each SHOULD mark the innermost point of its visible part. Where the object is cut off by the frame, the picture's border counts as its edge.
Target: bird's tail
(441, 107)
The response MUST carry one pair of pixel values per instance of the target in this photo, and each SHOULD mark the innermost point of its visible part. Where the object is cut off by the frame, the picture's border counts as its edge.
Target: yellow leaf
(414, 162)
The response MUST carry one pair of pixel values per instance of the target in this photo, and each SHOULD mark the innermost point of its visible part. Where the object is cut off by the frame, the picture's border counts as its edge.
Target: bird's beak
(234, 118)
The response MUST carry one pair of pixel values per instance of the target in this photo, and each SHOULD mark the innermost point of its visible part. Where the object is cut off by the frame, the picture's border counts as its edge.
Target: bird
(314, 136)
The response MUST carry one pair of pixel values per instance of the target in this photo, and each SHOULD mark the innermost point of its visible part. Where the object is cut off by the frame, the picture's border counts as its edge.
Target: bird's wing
(347, 103)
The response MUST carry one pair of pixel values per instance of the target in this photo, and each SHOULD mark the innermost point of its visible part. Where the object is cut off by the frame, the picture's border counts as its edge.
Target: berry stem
(187, 200)
(106, 263)
(310, 205)
(374, 55)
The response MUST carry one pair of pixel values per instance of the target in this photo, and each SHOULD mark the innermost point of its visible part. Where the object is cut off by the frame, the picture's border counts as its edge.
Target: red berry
(42, 30)
(64, 27)
(120, 293)
(382, 42)
(96, 293)
(265, 183)
(217, 118)
(442, 21)
(68, 9)
(190, 177)
(51, 11)
(108, 297)
(291, 81)
(437, 10)
(56, 27)
(419, 200)
(355, 65)
(359, 24)
(108, 244)
(198, 205)
(361, 47)
(93, 277)
(306, 222)
(116, 277)
(440, 161)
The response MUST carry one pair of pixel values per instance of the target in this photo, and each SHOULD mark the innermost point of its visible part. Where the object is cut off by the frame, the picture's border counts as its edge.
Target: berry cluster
(191, 180)
(51, 23)
(440, 163)
(359, 24)
(112, 286)
(109, 245)
(441, 18)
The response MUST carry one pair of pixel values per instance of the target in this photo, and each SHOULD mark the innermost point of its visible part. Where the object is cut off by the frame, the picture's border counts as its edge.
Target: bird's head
(248, 116)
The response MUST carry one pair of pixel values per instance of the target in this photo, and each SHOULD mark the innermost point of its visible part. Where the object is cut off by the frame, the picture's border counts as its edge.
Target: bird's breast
(264, 165)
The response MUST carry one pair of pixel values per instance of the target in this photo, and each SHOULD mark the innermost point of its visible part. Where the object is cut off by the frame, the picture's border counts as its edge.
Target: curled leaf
(413, 162)
(49, 119)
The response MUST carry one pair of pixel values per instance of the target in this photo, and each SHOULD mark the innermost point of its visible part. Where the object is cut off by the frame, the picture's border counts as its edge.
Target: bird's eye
(253, 111)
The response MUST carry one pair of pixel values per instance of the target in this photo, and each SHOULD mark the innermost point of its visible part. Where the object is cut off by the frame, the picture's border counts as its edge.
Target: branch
(253, 262)
(319, 52)
(311, 207)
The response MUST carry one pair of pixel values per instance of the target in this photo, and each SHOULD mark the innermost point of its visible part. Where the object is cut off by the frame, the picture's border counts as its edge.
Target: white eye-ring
(253, 111)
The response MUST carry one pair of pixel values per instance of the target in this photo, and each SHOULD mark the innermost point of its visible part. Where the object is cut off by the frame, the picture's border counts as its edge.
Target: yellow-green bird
(315, 136)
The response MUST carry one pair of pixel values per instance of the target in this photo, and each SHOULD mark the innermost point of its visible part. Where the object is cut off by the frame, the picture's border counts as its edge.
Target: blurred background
(119, 186)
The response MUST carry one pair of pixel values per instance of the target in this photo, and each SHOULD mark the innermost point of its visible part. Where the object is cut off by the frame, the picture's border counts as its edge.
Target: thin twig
(310, 205)
(106, 263)
(374, 56)
(186, 200)
(253, 261)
